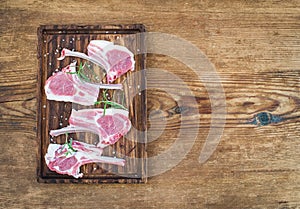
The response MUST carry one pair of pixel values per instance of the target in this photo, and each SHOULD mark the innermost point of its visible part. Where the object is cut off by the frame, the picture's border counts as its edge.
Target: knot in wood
(180, 109)
(264, 118)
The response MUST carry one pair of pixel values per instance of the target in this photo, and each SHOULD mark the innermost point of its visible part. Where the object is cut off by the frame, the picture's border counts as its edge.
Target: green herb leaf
(70, 149)
(106, 102)
(112, 104)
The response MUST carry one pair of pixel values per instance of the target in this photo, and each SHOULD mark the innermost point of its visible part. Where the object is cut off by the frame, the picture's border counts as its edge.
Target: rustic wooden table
(255, 46)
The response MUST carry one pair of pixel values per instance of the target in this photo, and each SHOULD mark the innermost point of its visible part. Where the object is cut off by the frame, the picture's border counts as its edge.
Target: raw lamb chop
(110, 127)
(119, 58)
(115, 59)
(66, 86)
(61, 159)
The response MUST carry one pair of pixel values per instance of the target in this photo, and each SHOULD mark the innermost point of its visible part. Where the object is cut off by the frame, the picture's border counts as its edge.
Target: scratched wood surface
(255, 48)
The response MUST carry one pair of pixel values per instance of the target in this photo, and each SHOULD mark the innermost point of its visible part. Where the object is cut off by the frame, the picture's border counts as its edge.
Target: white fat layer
(101, 43)
(109, 111)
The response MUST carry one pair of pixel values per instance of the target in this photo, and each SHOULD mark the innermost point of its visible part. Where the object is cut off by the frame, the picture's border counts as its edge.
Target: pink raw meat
(115, 59)
(110, 127)
(59, 160)
(66, 86)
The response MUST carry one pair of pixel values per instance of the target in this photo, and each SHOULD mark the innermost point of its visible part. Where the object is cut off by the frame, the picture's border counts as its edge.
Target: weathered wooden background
(255, 46)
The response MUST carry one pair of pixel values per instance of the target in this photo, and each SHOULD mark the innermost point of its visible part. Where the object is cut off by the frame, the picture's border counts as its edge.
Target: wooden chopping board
(54, 115)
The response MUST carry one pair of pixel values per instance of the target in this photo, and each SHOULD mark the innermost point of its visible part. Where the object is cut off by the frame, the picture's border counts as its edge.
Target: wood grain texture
(256, 50)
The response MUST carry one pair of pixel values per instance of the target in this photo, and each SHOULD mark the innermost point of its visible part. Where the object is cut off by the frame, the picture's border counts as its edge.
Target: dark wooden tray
(53, 114)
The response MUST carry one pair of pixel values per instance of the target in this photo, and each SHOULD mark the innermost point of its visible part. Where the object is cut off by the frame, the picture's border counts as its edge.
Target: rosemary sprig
(106, 102)
(112, 104)
(70, 145)
(79, 73)
(70, 148)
